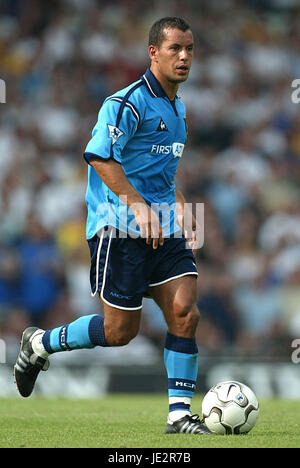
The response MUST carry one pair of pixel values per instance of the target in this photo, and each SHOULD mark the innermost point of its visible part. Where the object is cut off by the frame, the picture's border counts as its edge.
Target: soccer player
(135, 213)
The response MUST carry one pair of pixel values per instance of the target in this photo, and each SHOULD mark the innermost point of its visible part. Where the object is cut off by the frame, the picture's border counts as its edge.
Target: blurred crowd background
(59, 60)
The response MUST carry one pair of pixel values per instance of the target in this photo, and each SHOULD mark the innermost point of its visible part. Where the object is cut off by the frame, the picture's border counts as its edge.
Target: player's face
(173, 59)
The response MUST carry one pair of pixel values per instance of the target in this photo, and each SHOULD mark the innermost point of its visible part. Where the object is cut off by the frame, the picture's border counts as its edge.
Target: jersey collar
(153, 85)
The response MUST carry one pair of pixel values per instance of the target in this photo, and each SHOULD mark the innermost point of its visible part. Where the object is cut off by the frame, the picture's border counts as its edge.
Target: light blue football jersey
(140, 128)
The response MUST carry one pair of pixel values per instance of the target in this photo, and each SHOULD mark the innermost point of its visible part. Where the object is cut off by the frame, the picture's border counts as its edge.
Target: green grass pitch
(132, 421)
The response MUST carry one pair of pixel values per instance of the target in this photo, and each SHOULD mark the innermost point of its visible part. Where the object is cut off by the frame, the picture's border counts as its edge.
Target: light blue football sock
(85, 332)
(181, 362)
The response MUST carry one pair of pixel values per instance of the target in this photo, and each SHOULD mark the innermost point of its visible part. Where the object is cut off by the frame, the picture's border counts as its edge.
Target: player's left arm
(186, 219)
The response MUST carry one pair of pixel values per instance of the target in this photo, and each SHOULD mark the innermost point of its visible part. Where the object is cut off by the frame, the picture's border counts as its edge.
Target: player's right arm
(104, 153)
(114, 177)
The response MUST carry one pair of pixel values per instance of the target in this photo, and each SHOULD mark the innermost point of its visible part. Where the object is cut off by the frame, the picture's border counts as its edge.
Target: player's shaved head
(156, 33)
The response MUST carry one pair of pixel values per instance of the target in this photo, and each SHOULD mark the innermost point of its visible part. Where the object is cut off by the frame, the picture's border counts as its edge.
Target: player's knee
(187, 316)
(191, 318)
(185, 307)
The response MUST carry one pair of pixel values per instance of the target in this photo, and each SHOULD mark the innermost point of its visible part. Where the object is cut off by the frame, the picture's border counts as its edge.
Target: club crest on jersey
(114, 133)
(178, 149)
(162, 126)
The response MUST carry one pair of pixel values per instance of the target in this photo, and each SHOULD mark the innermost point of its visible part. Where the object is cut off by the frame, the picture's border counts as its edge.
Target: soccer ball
(230, 408)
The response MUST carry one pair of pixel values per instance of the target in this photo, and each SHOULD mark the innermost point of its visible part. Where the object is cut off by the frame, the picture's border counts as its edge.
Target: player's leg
(116, 328)
(177, 299)
(117, 281)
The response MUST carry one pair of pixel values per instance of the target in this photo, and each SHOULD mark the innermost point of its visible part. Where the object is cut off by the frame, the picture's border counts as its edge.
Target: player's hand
(148, 222)
(192, 235)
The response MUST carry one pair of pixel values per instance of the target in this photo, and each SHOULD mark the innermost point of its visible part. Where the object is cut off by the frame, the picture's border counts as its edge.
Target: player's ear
(152, 50)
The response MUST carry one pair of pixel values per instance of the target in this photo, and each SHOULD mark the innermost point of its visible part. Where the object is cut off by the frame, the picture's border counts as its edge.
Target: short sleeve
(117, 123)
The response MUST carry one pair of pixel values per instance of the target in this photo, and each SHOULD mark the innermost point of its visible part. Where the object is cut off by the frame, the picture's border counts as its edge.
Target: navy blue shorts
(122, 269)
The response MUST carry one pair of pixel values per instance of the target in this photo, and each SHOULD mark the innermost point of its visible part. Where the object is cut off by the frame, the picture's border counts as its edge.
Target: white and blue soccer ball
(230, 408)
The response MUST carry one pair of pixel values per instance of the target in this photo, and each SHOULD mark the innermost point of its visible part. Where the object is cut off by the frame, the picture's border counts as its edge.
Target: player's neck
(169, 87)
